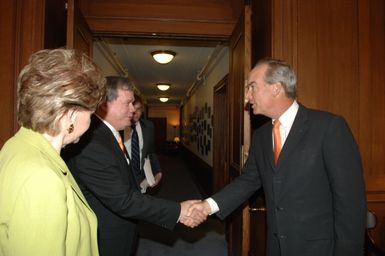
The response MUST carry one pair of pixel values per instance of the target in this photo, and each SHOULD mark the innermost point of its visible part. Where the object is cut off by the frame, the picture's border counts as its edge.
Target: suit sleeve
(240, 189)
(98, 168)
(344, 167)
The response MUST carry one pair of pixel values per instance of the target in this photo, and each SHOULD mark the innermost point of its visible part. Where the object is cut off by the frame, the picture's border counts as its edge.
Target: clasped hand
(194, 212)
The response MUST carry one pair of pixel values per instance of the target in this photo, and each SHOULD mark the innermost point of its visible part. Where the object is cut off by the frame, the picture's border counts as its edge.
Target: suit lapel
(266, 151)
(268, 145)
(297, 131)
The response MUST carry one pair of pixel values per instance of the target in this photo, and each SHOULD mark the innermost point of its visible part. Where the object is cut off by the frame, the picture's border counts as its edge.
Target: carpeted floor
(206, 239)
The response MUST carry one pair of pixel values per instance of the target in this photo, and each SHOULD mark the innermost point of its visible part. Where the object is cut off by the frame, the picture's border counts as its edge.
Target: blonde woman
(43, 211)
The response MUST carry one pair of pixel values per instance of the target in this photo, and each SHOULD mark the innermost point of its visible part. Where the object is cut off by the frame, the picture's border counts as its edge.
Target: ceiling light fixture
(163, 99)
(162, 56)
(163, 86)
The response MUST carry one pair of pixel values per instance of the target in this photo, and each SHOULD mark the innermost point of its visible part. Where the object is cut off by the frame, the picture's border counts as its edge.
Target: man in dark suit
(101, 166)
(146, 136)
(314, 190)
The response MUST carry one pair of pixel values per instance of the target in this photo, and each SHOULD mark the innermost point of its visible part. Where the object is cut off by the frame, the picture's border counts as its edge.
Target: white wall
(198, 110)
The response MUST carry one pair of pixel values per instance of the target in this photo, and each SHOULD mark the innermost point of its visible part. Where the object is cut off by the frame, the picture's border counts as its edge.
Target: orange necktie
(120, 141)
(277, 140)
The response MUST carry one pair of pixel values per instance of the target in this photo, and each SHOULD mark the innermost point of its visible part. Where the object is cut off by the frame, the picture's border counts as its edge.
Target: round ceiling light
(163, 57)
(163, 99)
(163, 86)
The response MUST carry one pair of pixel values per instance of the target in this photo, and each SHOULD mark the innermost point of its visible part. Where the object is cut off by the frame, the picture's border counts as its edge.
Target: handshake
(194, 212)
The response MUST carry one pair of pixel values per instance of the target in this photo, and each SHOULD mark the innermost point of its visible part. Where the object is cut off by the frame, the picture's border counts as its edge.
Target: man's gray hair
(280, 71)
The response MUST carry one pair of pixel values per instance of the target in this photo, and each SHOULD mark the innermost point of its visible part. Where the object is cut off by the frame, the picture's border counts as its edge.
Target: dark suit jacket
(148, 150)
(108, 184)
(315, 195)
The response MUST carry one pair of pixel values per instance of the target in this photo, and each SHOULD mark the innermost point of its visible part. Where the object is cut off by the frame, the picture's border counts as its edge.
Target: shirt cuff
(213, 205)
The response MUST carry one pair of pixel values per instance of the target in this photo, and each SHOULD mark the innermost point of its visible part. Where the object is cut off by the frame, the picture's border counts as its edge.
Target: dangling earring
(70, 129)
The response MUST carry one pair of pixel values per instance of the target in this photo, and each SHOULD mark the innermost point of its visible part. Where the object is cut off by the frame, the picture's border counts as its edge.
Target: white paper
(148, 172)
(143, 186)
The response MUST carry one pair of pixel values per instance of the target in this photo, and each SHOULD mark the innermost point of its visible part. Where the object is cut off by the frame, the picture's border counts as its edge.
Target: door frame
(220, 131)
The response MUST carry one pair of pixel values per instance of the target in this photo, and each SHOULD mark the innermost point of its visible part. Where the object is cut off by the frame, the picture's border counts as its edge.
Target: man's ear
(103, 106)
(277, 88)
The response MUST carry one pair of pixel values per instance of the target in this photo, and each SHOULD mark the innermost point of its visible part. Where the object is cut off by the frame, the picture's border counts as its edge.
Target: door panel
(79, 35)
(220, 127)
(239, 126)
(160, 132)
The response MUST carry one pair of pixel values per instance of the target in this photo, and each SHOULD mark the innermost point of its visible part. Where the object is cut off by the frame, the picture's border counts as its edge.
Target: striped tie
(135, 155)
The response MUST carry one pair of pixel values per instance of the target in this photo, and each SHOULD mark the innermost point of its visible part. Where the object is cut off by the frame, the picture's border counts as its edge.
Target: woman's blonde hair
(53, 82)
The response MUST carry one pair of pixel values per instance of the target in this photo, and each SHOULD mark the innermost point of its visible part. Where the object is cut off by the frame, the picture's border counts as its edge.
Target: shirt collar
(287, 118)
(113, 130)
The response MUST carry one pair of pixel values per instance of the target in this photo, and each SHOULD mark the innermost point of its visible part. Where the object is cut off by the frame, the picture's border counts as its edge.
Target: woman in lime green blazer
(42, 209)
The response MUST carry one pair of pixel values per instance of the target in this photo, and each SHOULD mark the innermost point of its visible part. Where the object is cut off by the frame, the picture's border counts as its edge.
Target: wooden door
(79, 35)
(261, 23)
(239, 127)
(220, 131)
(160, 124)
(55, 24)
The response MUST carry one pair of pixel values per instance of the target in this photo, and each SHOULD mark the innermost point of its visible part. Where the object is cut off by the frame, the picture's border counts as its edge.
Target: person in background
(146, 137)
(309, 167)
(43, 211)
(101, 165)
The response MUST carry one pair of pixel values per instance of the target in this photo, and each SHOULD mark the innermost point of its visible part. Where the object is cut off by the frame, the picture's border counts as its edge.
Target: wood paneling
(7, 74)
(372, 90)
(176, 17)
(79, 35)
(327, 59)
(22, 24)
(284, 29)
(371, 101)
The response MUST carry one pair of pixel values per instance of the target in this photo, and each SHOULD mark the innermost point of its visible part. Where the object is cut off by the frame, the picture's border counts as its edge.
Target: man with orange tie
(309, 166)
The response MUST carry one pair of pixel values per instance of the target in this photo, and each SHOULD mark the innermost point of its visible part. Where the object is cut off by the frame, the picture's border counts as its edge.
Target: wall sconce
(163, 57)
(163, 99)
(163, 86)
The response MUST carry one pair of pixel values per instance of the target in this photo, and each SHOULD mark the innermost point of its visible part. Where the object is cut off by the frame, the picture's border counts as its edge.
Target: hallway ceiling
(132, 58)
